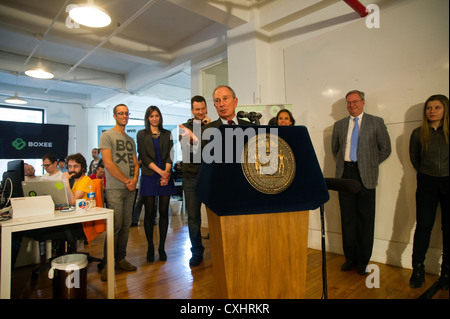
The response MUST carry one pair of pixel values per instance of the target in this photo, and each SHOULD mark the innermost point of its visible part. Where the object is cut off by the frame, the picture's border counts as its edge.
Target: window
(21, 114)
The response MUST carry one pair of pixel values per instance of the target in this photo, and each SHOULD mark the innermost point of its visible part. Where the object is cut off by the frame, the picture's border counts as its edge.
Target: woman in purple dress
(155, 148)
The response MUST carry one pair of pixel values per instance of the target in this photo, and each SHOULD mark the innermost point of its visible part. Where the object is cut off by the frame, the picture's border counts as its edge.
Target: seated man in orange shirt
(76, 165)
(77, 174)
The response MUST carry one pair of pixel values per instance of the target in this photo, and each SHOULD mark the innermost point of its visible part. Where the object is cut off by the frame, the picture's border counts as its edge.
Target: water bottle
(91, 198)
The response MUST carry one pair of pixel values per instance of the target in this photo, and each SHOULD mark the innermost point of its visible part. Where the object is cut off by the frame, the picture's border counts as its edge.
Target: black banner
(29, 140)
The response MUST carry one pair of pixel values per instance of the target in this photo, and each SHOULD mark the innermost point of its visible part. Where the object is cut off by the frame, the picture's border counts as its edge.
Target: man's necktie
(354, 141)
(230, 122)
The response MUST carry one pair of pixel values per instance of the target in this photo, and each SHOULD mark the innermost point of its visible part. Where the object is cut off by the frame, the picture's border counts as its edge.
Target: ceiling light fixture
(39, 72)
(15, 100)
(90, 15)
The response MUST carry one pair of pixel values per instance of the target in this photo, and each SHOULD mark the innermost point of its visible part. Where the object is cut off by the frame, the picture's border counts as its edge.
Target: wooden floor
(174, 279)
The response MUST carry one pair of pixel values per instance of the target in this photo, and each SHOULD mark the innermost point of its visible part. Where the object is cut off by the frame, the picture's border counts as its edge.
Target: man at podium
(225, 102)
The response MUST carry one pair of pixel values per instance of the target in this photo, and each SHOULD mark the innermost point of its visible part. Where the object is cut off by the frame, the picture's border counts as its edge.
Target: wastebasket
(69, 274)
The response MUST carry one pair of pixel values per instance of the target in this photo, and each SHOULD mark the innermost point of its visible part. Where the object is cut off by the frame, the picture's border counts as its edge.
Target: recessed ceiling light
(90, 16)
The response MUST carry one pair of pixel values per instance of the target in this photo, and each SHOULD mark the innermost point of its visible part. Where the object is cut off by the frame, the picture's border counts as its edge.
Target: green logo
(59, 185)
(19, 144)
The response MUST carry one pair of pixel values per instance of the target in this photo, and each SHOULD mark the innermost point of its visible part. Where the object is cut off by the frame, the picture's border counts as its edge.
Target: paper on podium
(32, 206)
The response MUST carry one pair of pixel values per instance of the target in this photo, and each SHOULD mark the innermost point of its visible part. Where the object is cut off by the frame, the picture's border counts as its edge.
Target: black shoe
(361, 270)
(150, 256)
(418, 276)
(195, 260)
(162, 255)
(443, 280)
(348, 265)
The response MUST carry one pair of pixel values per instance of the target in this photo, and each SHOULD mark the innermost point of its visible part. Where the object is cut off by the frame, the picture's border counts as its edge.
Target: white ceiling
(141, 53)
(142, 57)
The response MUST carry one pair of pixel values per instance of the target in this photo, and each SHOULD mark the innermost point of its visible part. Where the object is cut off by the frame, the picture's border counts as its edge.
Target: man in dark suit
(225, 102)
(190, 170)
(360, 143)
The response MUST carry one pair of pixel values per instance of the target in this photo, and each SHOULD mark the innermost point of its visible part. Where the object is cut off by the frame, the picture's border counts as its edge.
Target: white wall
(399, 66)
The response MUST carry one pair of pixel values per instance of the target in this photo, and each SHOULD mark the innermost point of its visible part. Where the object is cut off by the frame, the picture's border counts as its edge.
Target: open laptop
(55, 189)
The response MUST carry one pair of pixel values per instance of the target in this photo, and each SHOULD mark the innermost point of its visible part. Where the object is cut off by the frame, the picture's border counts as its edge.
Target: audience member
(76, 165)
(284, 118)
(62, 165)
(49, 162)
(155, 146)
(360, 143)
(99, 174)
(189, 172)
(118, 152)
(428, 150)
(30, 173)
(95, 161)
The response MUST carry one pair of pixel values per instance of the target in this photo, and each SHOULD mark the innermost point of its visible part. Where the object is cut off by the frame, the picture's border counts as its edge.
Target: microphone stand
(324, 258)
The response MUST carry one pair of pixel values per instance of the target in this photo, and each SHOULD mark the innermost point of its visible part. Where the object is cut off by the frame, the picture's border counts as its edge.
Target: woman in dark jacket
(156, 153)
(428, 149)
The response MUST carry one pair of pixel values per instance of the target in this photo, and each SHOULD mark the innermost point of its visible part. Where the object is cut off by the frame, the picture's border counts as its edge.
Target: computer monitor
(12, 181)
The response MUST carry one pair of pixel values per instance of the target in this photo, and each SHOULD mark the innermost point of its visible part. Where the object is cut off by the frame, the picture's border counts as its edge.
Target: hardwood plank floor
(174, 279)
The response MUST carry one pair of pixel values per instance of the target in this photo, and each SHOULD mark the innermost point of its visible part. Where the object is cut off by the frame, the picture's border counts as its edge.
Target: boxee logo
(18, 144)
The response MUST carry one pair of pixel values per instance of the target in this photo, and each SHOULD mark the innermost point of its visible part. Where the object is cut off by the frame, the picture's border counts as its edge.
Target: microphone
(242, 114)
(343, 185)
(251, 116)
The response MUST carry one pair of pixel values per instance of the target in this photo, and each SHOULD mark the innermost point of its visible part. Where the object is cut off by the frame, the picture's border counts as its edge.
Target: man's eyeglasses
(353, 102)
(123, 113)
(46, 165)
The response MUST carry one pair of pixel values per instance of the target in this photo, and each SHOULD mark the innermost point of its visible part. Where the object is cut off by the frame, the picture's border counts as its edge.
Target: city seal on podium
(268, 163)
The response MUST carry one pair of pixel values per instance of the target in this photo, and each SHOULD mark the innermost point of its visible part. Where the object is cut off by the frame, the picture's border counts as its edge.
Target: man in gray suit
(359, 143)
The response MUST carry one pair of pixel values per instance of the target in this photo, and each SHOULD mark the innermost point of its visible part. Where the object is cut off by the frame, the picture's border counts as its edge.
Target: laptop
(55, 189)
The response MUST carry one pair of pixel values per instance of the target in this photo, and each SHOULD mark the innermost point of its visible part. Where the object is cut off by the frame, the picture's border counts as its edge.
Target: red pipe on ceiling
(357, 6)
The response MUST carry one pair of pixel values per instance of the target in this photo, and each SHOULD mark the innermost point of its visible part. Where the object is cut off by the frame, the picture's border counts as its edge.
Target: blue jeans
(121, 201)
(193, 206)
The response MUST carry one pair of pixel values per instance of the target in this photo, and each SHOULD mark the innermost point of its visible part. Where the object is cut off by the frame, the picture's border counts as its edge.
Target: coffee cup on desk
(82, 205)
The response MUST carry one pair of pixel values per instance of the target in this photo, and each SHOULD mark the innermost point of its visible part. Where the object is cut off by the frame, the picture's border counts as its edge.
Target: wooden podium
(259, 241)
(259, 256)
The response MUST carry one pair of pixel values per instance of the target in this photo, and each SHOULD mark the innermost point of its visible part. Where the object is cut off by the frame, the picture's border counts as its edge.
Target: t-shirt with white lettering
(123, 148)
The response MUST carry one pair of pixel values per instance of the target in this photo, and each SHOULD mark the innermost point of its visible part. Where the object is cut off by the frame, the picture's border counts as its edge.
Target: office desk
(59, 218)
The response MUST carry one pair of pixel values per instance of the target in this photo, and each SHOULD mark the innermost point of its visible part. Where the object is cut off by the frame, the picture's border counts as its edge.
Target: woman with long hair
(285, 118)
(428, 150)
(156, 154)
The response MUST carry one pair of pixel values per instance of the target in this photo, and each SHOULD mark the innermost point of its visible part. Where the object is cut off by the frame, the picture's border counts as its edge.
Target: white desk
(59, 218)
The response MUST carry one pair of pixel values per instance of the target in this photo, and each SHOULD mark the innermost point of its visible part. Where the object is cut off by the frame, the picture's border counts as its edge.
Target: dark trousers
(193, 206)
(430, 192)
(357, 219)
